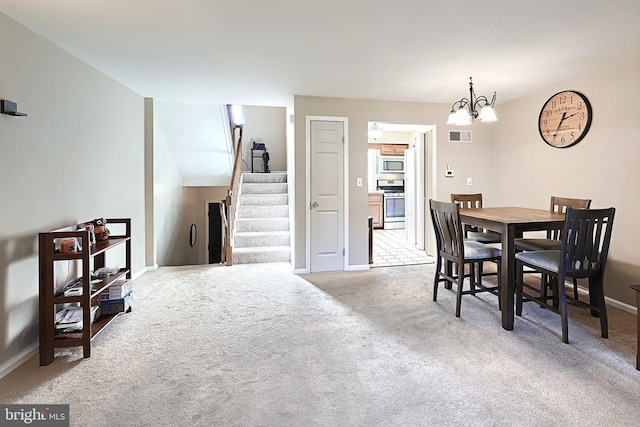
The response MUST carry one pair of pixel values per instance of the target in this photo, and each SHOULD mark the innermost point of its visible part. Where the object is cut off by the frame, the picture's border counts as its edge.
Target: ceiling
(257, 52)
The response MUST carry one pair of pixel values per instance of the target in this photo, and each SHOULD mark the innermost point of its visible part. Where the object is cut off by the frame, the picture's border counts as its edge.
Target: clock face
(565, 119)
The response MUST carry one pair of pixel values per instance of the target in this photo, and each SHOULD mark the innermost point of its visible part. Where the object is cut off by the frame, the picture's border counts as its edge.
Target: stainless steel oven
(392, 203)
(393, 209)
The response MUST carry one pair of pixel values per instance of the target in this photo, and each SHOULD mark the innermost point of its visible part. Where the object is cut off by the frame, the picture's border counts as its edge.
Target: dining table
(511, 223)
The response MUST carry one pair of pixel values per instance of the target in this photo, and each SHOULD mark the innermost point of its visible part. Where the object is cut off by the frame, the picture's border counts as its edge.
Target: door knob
(314, 205)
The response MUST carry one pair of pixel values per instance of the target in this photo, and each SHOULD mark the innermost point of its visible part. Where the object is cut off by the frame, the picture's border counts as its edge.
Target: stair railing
(228, 207)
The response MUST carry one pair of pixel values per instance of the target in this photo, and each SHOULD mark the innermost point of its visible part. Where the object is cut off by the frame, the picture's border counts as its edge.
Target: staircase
(262, 226)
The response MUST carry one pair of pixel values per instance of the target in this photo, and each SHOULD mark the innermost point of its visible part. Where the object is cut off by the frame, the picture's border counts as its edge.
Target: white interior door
(327, 195)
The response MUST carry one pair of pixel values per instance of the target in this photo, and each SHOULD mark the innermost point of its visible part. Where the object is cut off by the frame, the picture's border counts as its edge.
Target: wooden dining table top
(513, 215)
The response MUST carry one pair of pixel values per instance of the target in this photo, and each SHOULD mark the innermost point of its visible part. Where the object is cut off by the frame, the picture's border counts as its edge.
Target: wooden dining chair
(474, 200)
(552, 241)
(454, 253)
(583, 254)
(467, 201)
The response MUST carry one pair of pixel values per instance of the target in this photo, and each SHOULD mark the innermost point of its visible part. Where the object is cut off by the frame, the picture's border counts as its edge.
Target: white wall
(269, 125)
(602, 167)
(168, 199)
(78, 155)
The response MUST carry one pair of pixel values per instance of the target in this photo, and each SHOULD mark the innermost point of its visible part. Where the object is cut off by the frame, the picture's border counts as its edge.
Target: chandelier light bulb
(463, 117)
(488, 114)
(452, 118)
(374, 131)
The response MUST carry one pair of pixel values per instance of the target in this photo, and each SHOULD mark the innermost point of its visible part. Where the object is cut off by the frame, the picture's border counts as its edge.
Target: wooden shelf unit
(51, 296)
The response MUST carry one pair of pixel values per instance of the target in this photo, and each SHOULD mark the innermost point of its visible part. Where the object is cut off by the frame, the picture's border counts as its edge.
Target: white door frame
(431, 185)
(345, 122)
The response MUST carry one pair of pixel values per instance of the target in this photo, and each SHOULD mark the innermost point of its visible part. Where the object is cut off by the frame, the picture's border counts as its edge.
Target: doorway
(214, 245)
(414, 144)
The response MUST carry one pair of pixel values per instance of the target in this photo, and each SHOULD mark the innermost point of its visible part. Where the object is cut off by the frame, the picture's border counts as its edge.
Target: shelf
(96, 289)
(51, 298)
(98, 248)
(72, 339)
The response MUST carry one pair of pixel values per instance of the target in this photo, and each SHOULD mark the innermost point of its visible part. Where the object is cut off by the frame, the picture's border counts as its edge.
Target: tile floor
(390, 248)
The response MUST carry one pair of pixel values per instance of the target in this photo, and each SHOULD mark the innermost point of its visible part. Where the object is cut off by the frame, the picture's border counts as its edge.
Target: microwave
(390, 164)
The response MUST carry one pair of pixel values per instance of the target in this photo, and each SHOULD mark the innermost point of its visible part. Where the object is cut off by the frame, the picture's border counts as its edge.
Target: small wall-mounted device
(10, 108)
(448, 172)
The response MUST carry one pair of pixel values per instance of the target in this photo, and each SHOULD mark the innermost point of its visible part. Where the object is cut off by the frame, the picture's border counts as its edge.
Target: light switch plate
(359, 182)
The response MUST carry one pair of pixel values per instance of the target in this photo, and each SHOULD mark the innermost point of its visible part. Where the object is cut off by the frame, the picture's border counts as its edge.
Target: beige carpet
(255, 345)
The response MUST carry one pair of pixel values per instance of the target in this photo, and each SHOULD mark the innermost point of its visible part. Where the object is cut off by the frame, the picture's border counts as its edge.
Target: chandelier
(463, 112)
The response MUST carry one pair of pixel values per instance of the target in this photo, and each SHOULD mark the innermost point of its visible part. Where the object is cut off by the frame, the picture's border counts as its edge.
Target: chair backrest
(467, 200)
(585, 245)
(448, 228)
(561, 204)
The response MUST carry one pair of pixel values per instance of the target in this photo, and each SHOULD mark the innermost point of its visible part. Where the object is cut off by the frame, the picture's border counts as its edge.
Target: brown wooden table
(511, 222)
(637, 289)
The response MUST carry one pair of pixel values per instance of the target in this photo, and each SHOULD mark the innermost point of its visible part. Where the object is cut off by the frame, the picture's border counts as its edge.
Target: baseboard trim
(621, 305)
(609, 301)
(19, 359)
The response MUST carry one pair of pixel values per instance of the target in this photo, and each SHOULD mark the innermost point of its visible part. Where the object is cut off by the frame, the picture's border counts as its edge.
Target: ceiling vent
(459, 136)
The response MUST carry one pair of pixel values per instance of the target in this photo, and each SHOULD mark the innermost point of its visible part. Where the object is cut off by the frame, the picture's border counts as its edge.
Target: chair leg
(519, 279)
(449, 271)
(563, 310)
(554, 288)
(499, 282)
(472, 277)
(575, 289)
(547, 283)
(459, 290)
(436, 280)
(596, 293)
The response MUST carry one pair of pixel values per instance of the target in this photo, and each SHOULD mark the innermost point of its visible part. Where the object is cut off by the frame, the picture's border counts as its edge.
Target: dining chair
(453, 250)
(467, 201)
(583, 254)
(474, 200)
(552, 241)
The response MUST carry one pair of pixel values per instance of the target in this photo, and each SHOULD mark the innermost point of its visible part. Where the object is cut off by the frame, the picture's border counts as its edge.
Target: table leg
(508, 277)
(638, 331)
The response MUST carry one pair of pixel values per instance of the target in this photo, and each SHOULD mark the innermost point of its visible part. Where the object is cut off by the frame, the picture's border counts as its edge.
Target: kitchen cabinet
(375, 209)
(393, 149)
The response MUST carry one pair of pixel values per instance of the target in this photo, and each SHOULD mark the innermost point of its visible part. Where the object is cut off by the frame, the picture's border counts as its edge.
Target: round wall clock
(565, 119)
